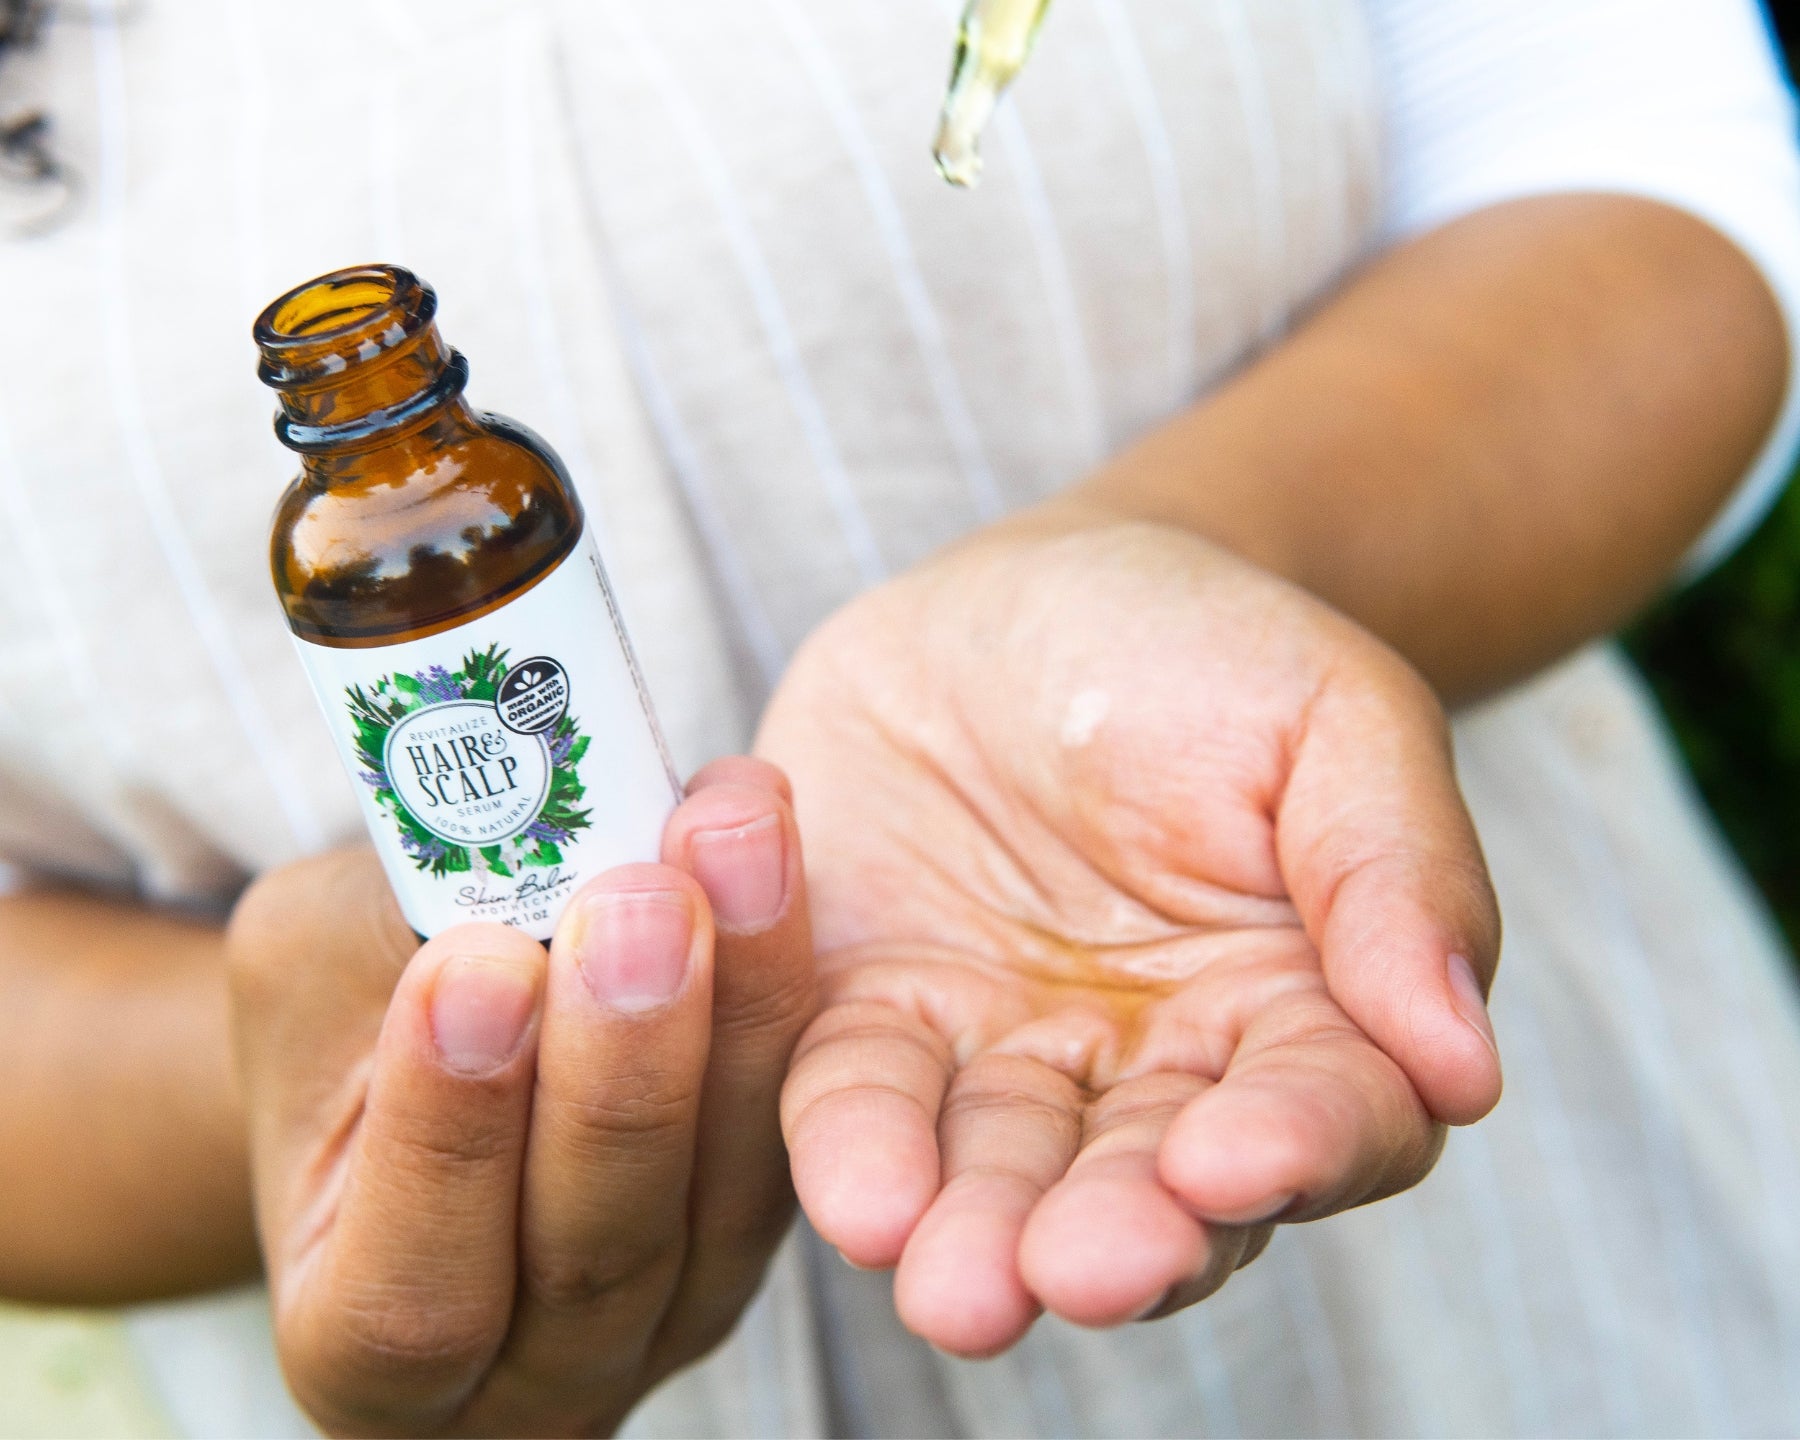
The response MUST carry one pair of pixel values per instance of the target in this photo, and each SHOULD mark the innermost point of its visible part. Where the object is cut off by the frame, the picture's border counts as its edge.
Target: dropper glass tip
(992, 43)
(958, 159)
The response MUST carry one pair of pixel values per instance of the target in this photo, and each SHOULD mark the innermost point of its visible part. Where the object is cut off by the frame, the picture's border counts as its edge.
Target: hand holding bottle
(503, 1190)
(1148, 914)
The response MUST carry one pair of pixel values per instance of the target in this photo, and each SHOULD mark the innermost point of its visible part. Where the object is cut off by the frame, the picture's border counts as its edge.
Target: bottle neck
(358, 363)
(391, 452)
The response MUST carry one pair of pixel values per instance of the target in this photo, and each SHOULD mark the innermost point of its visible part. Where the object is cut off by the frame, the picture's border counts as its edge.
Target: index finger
(860, 1113)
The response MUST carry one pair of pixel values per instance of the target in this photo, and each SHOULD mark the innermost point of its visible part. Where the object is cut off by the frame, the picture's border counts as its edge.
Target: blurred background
(1724, 659)
(1723, 656)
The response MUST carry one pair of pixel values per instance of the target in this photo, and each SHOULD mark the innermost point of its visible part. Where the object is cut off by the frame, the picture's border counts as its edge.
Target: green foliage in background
(1723, 660)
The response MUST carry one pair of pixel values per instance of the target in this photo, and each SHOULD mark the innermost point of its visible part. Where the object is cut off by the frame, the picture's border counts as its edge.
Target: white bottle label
(503, 762)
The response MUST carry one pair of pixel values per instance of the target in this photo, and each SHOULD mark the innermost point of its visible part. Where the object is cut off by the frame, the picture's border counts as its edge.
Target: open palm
(1148, 915)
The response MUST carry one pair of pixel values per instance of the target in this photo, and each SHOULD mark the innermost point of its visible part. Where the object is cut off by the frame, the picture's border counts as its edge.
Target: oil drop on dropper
(992, 44)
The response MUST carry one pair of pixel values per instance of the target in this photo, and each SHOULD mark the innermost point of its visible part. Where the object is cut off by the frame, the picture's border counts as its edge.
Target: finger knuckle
(424, 1343)
(384, 1359)
(1148, 1100)
(750, 1230)
(773, 1013)
(1389, 681)
(1011, 1090)
(278, 913)
(846, 1029)
(565, 1282)
(258, 918)
(649, 1109)
(452, 1144)
(1006, 1107)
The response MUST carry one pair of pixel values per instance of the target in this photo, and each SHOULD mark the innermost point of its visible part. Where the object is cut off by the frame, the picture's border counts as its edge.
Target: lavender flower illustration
(424, 851)
(437, 685)
(547, 830)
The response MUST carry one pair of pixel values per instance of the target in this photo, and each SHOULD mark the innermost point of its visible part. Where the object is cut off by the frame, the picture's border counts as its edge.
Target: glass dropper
(992, 44)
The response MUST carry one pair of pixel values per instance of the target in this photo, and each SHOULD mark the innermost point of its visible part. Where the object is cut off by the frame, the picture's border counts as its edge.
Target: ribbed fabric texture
(700, 247)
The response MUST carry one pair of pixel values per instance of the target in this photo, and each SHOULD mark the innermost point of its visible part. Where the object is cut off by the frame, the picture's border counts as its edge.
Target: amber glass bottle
(454, 617)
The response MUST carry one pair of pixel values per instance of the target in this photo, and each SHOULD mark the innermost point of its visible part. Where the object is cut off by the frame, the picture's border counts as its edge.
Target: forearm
(1496, 442)
(122, 1154)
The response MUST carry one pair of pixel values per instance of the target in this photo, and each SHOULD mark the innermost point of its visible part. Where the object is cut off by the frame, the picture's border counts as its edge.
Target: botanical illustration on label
(478, 767)
(501, 763)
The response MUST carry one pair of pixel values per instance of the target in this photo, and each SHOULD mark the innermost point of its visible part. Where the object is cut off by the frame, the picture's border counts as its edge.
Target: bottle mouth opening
(318, 330)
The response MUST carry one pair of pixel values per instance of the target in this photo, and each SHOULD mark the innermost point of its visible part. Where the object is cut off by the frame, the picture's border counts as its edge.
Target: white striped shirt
(702, 248)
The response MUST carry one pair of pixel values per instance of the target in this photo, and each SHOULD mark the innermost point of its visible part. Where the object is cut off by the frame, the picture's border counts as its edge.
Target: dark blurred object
(21, 21)
(1785, 24)
(29, 165)
(26, 159)
(23, 153)
(1724, 659)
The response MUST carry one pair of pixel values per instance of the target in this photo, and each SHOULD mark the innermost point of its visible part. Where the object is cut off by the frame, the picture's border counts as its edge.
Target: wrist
(1203, 473)
(124, 1159)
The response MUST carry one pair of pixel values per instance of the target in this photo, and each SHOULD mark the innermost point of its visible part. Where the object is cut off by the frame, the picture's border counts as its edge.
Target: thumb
(1383, 863)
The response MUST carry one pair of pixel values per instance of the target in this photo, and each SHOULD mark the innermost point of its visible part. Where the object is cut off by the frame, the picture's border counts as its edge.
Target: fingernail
(480, 1010)
(633, 947)
(1465, 991)
(743, 872)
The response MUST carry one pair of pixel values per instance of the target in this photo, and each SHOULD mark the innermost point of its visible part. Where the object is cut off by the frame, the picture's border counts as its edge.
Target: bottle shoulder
(414, 537)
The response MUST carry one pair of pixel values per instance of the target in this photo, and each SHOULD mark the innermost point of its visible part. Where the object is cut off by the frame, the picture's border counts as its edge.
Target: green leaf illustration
(376, 710)
(491, 854)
